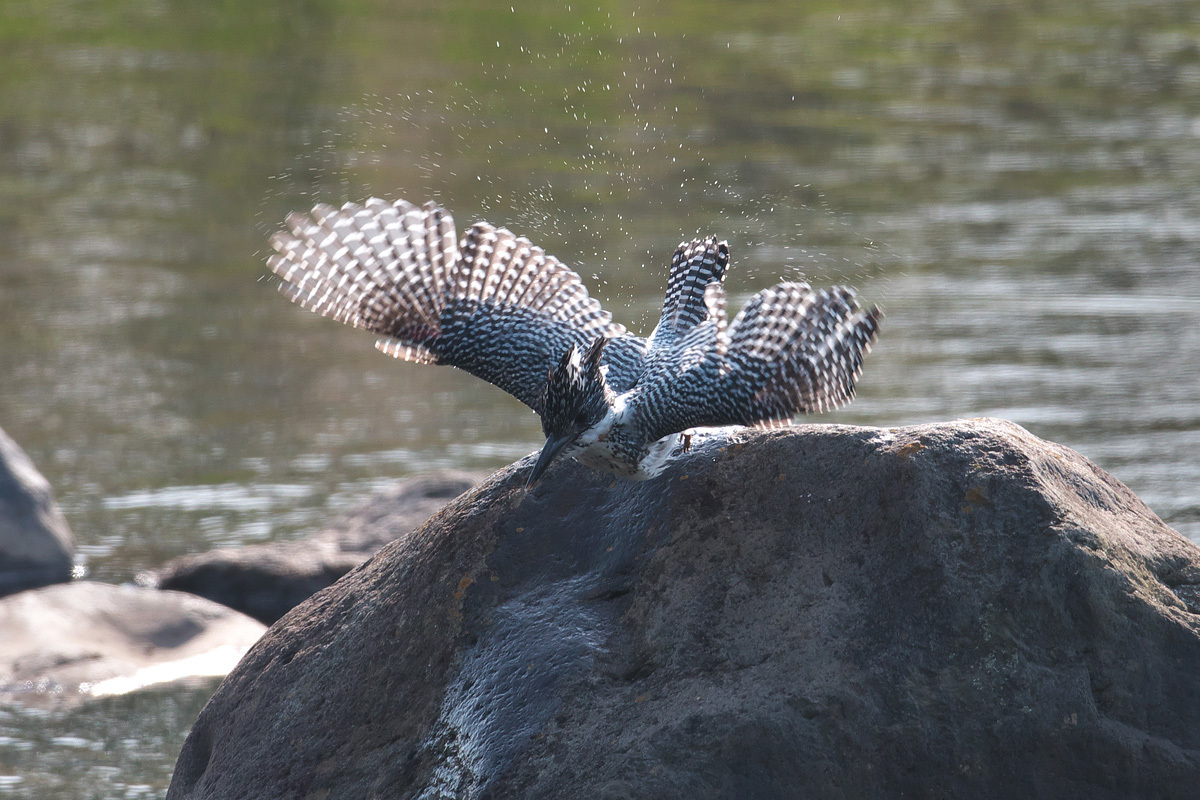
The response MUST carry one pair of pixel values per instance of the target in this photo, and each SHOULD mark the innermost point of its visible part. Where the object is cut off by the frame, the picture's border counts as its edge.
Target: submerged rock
(68, 643)
(266, 581)
(957, 610)
(36, 546)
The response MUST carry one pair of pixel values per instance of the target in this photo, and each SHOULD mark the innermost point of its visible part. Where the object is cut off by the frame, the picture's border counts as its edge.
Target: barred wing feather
(494, 305)
(796, 350)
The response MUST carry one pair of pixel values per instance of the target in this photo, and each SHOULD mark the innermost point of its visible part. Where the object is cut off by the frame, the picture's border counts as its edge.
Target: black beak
(554, 445)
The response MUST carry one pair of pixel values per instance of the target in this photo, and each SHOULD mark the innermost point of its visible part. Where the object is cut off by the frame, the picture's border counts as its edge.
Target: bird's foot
(685, 439)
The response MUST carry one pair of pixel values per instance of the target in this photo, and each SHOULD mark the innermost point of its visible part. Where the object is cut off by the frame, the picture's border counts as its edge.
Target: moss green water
(1013, 182)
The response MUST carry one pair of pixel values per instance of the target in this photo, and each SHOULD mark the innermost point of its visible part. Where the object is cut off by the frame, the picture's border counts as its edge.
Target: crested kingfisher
(500, 308)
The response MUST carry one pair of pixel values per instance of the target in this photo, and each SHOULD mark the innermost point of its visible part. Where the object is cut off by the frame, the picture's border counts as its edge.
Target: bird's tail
(696, 264)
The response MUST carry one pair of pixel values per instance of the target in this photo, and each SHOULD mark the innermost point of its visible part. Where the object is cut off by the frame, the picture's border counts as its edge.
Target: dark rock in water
(266, 581)
(36, 546)
(61, 645)
(956, 610)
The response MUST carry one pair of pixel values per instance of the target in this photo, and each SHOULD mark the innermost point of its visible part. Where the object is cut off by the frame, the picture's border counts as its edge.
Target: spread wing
(790, 350)
(494, 305)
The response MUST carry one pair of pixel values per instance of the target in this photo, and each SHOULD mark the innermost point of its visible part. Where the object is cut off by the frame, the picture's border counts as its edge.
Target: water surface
(1013, 183)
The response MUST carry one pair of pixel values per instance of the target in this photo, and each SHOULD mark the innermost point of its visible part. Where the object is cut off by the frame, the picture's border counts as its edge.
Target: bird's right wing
(796, 350)
(791, 350)
(494, 305)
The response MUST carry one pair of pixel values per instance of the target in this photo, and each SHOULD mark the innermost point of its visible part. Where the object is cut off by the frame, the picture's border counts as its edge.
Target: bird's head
(575, 399)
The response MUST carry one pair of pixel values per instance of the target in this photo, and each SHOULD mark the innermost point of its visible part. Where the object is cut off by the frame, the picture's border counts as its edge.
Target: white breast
(595, 447)
(600, 456)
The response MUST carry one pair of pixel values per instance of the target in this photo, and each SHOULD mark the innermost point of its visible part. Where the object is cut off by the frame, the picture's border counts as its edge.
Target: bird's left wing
(791, 350)
(494, 305)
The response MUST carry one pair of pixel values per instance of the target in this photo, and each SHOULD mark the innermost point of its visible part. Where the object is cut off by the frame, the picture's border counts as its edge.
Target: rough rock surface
(36, 546)
(266, 581)
(954, 610)
(68, 643)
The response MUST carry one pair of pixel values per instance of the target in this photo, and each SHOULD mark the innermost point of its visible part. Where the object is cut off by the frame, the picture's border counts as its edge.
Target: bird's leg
(685, 439)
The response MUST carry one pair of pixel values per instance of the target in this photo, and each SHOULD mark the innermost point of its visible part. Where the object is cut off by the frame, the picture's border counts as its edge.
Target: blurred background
(1014, 182)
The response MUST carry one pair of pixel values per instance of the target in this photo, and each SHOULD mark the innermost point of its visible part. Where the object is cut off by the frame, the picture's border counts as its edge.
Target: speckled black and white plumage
(502, 309)
(494, 305)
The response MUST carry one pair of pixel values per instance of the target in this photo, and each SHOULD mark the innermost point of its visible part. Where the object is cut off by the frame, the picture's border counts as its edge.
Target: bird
(502, 309)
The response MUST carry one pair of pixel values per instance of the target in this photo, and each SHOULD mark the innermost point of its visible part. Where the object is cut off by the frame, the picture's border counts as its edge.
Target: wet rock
(266, 581)
(955, 610)
(36, 546)
(65, 644)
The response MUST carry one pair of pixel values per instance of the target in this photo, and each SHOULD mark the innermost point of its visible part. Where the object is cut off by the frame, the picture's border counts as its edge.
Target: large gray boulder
(65, 644)
(268, 580)
(36, 546)
(957, 610)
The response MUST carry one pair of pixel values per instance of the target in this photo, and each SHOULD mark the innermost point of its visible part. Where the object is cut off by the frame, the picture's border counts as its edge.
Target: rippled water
(1014, 183)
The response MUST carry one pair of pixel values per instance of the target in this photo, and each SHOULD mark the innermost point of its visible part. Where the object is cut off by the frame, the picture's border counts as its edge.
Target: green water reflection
(1013, 182)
